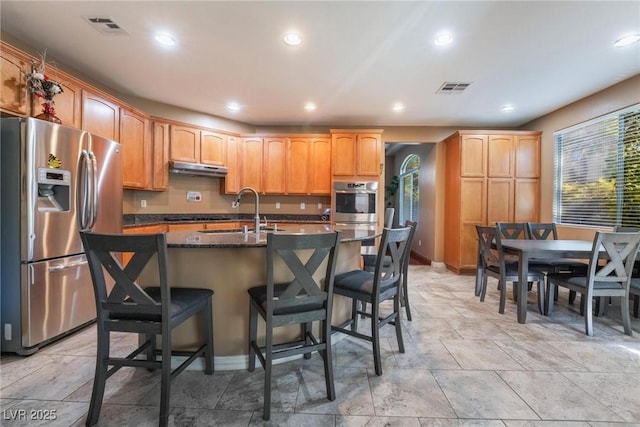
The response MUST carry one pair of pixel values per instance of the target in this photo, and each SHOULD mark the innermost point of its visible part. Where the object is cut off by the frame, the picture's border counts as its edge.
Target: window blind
(597, 171)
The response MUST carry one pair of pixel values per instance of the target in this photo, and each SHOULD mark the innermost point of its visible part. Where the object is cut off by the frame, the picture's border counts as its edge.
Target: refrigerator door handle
(82, 191)
(93, 192)
(66, 266)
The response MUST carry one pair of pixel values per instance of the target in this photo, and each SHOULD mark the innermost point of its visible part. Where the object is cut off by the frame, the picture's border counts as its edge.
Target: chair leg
(405, 296)
(208, 337)
(375, 338)
(354, 314)
(363, 308)
(626, 319)
(151, 351)
(483, 289)
(268, 363)
(636, 305)
(503, 295)
(253, 333)
(165, 380)
(398, 323)
(306, 329)
(556, 296)
(328, 361)
(587, 304)
(572, 296)
(99, 379)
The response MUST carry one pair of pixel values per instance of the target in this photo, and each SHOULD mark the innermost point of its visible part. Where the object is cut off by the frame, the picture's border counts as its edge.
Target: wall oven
(355, 202)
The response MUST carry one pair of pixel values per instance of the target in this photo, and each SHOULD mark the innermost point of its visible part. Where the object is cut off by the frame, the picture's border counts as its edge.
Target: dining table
(526, 249)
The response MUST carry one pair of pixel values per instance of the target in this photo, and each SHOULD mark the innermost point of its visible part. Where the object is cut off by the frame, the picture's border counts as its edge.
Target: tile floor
(465, 365)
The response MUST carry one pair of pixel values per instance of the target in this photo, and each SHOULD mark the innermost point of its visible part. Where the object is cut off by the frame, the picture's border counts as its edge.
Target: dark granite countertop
(135, 220)
(238, 239)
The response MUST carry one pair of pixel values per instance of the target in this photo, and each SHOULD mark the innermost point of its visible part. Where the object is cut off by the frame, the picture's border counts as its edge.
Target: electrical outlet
(419, 242)
(277, 205)
(319, 205)
(194, 196)
(143, 203)
(302, 206)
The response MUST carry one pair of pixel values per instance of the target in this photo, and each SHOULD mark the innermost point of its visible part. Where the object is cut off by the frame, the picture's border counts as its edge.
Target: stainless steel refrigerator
(55, 181)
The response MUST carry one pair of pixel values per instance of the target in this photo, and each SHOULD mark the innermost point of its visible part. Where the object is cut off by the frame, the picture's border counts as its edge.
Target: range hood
(197, 169)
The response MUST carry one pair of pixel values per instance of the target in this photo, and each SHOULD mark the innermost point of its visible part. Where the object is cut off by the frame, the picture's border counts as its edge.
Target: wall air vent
(451, 88)
(105, 25)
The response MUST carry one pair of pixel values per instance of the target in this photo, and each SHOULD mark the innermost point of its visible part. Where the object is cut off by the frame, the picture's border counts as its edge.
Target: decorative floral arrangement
(42, 86)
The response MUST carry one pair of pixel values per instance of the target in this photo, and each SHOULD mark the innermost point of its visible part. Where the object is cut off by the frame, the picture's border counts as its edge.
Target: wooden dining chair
(548, 231)
(374, 288)
(634, 286)
(149, 312)
(609, 279)
(300, 301)
(496, 266)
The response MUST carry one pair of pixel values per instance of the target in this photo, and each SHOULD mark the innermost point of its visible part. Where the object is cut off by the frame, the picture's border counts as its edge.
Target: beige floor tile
(553, 397)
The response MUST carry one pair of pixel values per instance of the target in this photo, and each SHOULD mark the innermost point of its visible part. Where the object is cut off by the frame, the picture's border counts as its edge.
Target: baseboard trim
(419, 259)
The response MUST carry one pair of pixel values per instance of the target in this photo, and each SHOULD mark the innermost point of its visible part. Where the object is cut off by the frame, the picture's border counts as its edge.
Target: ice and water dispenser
(53, 190)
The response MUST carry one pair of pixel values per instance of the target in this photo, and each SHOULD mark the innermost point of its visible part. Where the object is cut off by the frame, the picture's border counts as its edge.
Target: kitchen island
(229, 263)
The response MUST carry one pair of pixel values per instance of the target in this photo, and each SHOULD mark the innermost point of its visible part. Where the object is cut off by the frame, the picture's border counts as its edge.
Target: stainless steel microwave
(355, 202)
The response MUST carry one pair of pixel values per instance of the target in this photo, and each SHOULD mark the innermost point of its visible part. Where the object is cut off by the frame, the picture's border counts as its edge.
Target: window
(409, 189)
(597, 171)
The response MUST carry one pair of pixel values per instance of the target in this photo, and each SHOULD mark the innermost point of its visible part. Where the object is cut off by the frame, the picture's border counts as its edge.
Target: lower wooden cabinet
(142, 229)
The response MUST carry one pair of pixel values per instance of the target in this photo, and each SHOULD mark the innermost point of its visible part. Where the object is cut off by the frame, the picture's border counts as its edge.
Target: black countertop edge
(132, 220)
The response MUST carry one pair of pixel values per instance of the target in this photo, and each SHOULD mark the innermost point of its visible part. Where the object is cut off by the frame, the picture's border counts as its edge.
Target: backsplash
(214, 201)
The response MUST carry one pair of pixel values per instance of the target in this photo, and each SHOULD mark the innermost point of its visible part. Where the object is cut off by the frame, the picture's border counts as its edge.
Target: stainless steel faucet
(256, 219)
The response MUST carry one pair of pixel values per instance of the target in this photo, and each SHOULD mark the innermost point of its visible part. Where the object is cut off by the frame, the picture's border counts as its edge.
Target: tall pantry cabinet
(491, 176)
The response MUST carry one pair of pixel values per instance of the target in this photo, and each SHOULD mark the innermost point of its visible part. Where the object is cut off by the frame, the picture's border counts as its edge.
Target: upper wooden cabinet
(274, 179)
(68, 104)
(190, 144)
(298, 165)
(490, 177)
(100, 116)
(160, 156)
(185, 144)
(320, 166)
(527, 156)
(232, 180)
(213, 148)
(309, 165)
(13, 92)
(135, 139)
(251, 170)
(356, 154)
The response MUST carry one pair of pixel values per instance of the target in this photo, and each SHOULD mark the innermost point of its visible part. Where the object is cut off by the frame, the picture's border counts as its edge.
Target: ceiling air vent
(105, 25)
(450, 88)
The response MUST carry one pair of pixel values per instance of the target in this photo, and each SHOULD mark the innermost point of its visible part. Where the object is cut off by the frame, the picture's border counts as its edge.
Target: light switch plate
(302, 205)
(277, 205)
(319, 205)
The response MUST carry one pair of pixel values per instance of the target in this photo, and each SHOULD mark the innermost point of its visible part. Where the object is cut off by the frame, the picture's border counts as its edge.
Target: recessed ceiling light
(627, 40)
(310, 106)
(443, 39)
(507, 108)
(398, 107)
(165, 39)
(292, 39)
(234, 107)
